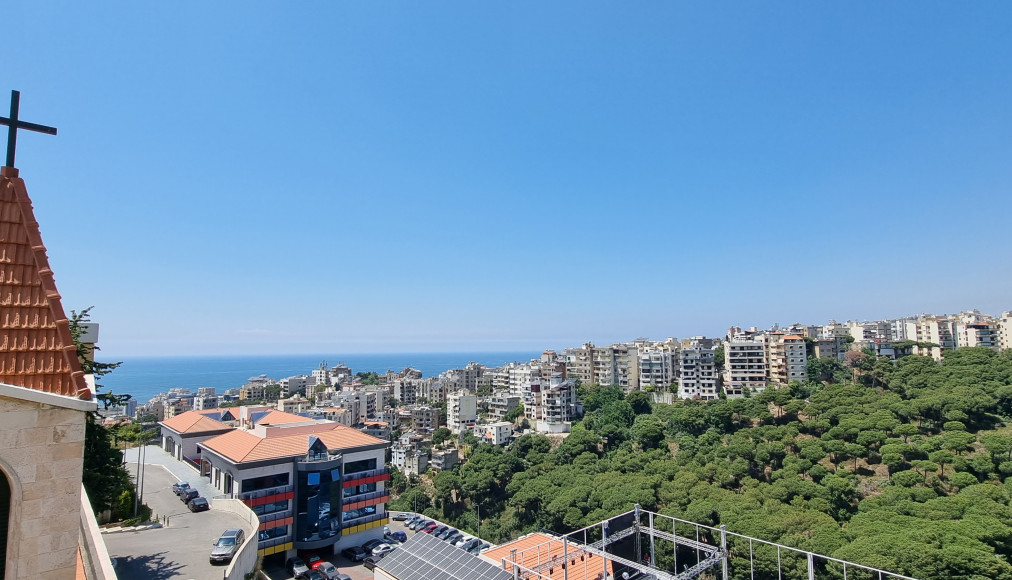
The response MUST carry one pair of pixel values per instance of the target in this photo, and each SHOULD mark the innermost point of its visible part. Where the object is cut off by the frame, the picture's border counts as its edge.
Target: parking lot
(355, 570)
(180, 550)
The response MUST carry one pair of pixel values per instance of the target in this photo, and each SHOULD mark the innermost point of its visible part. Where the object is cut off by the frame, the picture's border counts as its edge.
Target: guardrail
(245, 560)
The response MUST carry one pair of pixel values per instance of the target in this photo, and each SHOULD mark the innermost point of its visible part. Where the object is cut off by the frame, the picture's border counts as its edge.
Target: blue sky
(272, 178)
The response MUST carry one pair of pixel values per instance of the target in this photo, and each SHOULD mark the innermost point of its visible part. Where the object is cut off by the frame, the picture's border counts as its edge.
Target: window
(270, 508)
(359, 466)
(264, 482)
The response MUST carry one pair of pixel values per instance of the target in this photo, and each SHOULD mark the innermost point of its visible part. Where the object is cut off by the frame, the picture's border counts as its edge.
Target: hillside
(901, 466)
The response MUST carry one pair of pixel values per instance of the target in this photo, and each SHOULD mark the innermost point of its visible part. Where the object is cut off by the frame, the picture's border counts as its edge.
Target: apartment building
(744, 367)
(787, 359)
(658, 363)
(987, 334)
(554, 406)
(501, 403)
(697, 371)
(422, 417)
(937, 330)
(1005, 331)
(443, 460)
(461, 411)
(291, 385)
(315, 485)
(498, 433)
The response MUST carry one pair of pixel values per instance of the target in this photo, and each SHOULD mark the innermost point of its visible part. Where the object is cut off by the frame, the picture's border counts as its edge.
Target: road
(179, 550)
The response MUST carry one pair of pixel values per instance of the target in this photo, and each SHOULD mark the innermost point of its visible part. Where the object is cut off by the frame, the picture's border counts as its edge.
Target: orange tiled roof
(539, 549)
(280, 418)
(36, 349)
(193, 422)
(793, 337)
(241, 446)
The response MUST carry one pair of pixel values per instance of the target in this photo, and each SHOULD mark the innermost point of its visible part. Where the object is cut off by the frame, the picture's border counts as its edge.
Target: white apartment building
(938, 330)
(291, 385)
(1005, 331)
(498, 433)
(202, 402)
(296, 404)
(979, 334)
(744, 367)
(658, 363)
(697, 372)
(461, 411)
(554, 407)
(406, 390)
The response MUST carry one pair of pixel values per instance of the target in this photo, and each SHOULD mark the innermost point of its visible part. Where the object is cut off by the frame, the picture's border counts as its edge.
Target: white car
(463, 541)
(382, 549)
(329, 570)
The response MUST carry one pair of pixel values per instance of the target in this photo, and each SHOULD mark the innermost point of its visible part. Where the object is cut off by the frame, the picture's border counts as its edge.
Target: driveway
(179, 550)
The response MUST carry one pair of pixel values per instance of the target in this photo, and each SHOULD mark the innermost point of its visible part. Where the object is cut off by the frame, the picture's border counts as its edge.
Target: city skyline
(238, 179)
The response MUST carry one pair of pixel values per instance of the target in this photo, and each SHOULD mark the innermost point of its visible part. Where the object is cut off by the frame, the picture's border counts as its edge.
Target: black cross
(13, 124)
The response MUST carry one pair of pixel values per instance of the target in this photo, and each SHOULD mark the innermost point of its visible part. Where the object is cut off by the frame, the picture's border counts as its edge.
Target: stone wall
(41, 450)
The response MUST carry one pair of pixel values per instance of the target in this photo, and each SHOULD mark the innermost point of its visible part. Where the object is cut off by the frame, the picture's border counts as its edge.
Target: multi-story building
(1005, 331)
(362, 403)
(423, 417)
(554, 406)
(939, 331)
(786, 358)
(461, 411)
(315, 485)
(744, 367)
(499, 433)
(202, 402)
(697, 371)
(658, 363)
(500, 404)
(291, 385)
(986, 334)
(443, 460)
(405, 390)
(296, 404)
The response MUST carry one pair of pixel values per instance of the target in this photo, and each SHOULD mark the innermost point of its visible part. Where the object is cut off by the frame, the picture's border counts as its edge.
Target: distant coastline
(145, 377)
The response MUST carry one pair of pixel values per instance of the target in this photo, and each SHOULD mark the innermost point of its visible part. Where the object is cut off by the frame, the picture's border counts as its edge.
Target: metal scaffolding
(644, 544)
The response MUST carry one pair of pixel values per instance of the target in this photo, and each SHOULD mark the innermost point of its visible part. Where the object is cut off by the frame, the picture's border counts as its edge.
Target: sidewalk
(154, 455)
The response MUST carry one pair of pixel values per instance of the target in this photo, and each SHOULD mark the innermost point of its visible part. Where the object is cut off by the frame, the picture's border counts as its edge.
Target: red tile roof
(241, 446)
(280, 418)
(36, 349)
(193, 422)
(535, 551)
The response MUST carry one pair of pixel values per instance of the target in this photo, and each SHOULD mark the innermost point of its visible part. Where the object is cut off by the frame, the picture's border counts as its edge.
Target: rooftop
(535, 552)
(36, 348)
(194, 422)
(243, 446)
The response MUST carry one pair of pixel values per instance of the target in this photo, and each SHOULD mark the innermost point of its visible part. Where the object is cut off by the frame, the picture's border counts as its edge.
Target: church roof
(36, 348)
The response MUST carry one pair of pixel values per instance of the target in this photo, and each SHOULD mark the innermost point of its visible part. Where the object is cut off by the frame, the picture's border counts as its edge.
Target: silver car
(227, 546)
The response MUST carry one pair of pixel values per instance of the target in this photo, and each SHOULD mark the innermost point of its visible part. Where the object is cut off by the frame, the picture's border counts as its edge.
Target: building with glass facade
(315, 485)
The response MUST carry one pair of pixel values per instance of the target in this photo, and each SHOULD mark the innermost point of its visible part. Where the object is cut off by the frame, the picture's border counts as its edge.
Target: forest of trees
(904, 466)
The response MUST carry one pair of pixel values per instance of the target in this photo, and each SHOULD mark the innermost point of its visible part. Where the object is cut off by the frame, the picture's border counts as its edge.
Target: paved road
(179, 550)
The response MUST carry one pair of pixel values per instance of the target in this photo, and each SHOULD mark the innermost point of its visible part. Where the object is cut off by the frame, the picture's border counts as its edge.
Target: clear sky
(303, 177)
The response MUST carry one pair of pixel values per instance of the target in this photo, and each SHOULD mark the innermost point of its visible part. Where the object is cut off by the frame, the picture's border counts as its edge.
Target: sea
(145, 377)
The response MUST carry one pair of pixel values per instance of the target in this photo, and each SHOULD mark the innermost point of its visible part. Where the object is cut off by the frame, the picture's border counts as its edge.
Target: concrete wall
(94, 555)
(41, 451)
(246, 559)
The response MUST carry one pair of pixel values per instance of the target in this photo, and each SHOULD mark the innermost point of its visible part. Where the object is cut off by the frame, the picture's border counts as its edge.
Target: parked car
(396, 536)
(430, 528)
(227, 545)
(187, 495)
(198, 504)
(478, 549)
(296, 567)
(400, 516)
(443, 534)
(382, 549)
(315, 575)
(180, 486)
(370, 545)
(354, 553)
(435, 530)
(452, 538)
(313, 561)
(328, 570)
(371, 562)
(462, 540)
(416, 524)
(472, 543)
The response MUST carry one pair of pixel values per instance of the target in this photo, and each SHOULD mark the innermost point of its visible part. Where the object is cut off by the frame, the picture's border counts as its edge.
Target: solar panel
(426, 558)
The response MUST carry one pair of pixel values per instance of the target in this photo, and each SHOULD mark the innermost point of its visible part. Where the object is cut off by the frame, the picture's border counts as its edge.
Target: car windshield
(222, 542)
